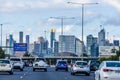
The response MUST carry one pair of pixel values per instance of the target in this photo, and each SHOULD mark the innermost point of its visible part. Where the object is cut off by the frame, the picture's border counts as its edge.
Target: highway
(51, 74)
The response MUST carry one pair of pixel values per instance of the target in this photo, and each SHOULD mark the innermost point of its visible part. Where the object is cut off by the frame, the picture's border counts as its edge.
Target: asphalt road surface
(51, 74)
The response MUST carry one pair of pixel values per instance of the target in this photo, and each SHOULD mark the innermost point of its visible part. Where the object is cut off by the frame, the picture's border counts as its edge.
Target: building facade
(101, 38)
(20, 37)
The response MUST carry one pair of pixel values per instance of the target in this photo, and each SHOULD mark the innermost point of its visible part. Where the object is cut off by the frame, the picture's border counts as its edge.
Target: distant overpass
(52, 60)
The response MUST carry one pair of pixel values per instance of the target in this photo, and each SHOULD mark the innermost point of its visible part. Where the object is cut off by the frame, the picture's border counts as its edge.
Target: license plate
(2, 65)
(117, 71)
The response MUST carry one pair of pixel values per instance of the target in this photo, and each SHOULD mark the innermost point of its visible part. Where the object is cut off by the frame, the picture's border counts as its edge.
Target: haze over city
(33, 18)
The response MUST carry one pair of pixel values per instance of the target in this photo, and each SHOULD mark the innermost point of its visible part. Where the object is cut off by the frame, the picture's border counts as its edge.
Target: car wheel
(99, 78)
(87, 74)
(11, 72)
(33, 69)
(45, 70)
(72, 73)
(56, 69)
(66, 69)
(21, 69)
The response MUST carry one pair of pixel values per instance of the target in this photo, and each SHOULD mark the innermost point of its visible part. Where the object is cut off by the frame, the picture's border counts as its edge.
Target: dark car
(61, 64)
(94, 64)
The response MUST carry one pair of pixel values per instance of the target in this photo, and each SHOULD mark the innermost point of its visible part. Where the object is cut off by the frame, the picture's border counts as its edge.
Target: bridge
(52, 60)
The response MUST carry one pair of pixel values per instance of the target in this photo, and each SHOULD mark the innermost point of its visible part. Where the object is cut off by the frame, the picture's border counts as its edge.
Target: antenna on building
(107, 35)
(100, 27)
(45, 33)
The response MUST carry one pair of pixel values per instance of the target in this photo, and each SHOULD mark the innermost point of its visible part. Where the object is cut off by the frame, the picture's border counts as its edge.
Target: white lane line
(22, 76)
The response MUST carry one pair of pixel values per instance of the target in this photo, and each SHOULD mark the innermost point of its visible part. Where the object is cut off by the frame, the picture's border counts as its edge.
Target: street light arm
(81, 3)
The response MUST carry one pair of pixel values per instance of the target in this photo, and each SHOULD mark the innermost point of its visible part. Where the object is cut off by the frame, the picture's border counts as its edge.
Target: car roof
(111, 61)
(80, 61)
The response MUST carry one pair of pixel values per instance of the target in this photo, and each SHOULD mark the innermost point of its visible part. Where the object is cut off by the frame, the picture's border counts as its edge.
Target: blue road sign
(20, 46)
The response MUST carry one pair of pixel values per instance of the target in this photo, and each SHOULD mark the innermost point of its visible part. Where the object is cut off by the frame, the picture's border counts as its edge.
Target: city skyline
(33, 18)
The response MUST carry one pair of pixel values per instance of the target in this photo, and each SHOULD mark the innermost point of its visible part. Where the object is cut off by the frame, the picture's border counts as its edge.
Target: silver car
(80, 67)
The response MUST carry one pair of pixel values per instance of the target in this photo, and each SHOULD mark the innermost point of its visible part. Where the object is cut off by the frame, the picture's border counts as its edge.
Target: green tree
(2, 53)
(26, 54)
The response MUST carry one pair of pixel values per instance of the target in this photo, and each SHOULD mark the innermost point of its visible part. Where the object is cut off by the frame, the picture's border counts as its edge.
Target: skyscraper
(91, 44)
(52, 37)
(67, 43)
(101, 38)
(11, 44)
(27, 41)
(20, 37)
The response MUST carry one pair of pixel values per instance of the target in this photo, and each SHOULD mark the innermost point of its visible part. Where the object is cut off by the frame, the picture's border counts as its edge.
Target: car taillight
(107, 70)
(75, 65)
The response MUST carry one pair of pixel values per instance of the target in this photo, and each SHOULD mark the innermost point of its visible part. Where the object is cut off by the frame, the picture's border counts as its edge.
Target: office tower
(91, 44)
(101, 38)
(40, 47)
(56, 48)
(67, 43)
(78, 47)
(20, 37)
(11, 42)
(52, 37)
(28, 42)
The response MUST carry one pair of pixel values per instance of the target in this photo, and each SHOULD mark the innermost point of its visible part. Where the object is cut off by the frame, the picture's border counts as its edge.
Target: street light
(1, 33)
(82, 4)
(62, 19)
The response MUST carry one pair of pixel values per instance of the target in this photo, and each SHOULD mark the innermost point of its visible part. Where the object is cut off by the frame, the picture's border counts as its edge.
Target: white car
(17, 63)
(40, 64)
(80, 67)
(108, 70)
(6, 66)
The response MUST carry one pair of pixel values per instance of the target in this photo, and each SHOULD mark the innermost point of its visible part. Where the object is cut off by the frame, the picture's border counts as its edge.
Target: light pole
(62, 19)
(1, 33)
(82, 4)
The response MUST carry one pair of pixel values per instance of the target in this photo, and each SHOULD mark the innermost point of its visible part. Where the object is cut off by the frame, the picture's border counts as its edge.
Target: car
(108, 70)
(61, 64)
(17, 63)
(94, 64)
(80, 67)
(40, 63)
(6, 66)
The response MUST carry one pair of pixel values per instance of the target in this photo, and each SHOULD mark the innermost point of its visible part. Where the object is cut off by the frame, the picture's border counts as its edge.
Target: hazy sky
(33, 17)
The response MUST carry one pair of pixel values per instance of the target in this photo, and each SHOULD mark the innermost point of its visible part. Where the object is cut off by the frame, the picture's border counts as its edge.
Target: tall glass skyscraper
(11, 44)
(52, 37)
(27, 41)
(101, 38)
(20, 37)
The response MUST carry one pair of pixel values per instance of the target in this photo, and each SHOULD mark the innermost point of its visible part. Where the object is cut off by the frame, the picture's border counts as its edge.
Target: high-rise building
(52, 37)
(78, 47)
(67, 43)
(40, 47)
(56, 47)
(94, 50)
(20, 37)
(27, 41)
(11, 44)
(91, 42)
(101, 38)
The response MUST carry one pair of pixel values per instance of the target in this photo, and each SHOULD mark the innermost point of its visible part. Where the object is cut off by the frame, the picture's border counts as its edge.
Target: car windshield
(15, 59)
(5, 61)
(82, 63)
(40, 59)
(113, 64)
(95, 63)
(62, 62)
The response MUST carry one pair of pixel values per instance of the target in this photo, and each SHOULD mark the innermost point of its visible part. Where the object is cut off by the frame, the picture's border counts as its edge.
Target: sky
(33, 18)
